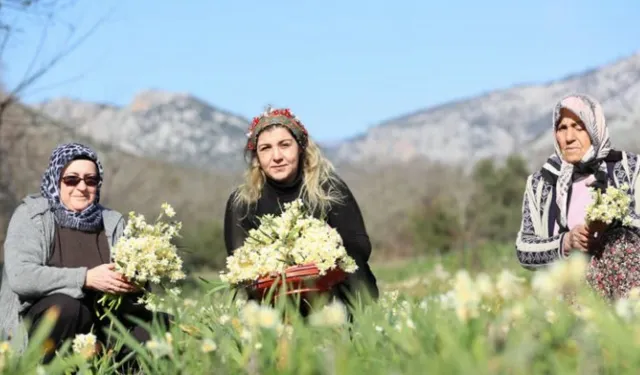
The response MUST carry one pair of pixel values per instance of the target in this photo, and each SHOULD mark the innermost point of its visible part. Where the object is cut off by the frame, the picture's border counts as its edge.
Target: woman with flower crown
(557, 197)
(284, 164)
(57, 255)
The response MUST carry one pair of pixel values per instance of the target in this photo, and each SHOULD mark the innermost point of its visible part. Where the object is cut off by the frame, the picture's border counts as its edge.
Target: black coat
(345, 217)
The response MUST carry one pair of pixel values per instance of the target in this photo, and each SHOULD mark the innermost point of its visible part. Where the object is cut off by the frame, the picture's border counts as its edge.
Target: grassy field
(475, 313)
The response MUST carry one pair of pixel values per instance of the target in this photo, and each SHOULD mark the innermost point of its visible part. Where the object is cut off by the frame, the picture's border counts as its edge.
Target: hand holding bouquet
(292, 239)
(145, 254)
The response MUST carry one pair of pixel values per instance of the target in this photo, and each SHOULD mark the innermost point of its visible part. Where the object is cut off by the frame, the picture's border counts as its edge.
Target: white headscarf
(590, 112)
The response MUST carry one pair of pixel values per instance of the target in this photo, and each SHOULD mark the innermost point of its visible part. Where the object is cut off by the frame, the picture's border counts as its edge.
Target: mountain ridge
(460, 100)
(183, 128)
(479, 121)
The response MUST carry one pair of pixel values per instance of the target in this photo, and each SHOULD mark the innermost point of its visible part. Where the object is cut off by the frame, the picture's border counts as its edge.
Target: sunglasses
(75, 180)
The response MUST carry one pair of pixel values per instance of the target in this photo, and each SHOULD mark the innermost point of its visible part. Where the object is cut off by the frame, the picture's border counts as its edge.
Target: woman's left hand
(135, 288)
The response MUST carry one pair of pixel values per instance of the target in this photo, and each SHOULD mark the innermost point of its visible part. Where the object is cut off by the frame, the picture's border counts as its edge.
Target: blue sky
(341, 66)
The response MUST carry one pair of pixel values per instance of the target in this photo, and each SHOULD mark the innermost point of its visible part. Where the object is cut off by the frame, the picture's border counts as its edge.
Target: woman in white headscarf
(556, 196)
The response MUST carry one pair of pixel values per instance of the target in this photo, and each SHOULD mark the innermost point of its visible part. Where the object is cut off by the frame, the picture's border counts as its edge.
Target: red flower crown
(283, 117)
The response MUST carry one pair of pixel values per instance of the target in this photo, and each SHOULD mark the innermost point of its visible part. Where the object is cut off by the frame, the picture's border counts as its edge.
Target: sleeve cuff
(81, 278)
(561, 253)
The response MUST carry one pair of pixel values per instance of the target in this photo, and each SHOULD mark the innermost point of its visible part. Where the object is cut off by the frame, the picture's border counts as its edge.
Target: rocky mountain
(496, 124)
(183, 129)
(173, 127)
(141, 184)
(132, 182)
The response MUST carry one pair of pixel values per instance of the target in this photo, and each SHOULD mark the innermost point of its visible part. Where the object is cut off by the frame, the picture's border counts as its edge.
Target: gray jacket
(25, 276)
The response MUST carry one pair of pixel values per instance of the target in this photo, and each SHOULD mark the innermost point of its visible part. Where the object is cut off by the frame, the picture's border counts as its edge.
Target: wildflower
(224, 319)
(516, 312)
(331, 315)
(410, 283)
(583, 312)
(85, 345)
(268, 318)
(410, 324)
(550, 316)
(168, 210)
(160, 348)
(188, 302)
(624, 309)
(389, 299)
(240, 303)
(467, 299)
(508, 285)
(628, 308)
(441, 273)
(208, 346)
(561, 277)
(285, 330)
(484, 285)
(5, 353)
(189, 329)
(423, 305)
(5, 347)
(245, 334)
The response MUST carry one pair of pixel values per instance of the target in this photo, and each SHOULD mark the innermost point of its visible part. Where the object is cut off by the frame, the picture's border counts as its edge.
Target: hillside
(181, 128)
(173, 127)
(137, 183)
(501, 122)
(131, 182)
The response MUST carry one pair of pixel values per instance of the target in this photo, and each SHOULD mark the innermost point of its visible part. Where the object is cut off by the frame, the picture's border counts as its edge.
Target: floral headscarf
(91, 217)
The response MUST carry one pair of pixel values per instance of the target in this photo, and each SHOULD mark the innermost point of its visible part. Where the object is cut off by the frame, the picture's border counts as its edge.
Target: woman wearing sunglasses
(57, 253)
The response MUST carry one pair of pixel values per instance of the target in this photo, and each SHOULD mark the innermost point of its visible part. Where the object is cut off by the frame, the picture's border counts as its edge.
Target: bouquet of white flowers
(610, 206)
(295, 244)
(145, 254)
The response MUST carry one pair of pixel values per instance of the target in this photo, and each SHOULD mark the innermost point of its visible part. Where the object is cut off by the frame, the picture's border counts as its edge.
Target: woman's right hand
(577, 238)
(103, 278)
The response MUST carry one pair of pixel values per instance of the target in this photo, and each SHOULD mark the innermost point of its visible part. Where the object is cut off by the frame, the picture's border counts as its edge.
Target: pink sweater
(580, 198)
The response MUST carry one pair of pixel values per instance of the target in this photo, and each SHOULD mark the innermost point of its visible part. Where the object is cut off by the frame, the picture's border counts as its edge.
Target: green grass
(424, 322)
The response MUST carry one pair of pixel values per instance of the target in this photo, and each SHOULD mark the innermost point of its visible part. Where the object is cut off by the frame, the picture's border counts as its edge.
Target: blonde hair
(319, 186)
